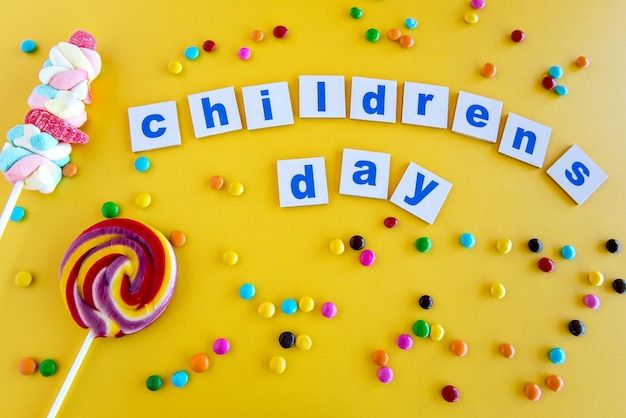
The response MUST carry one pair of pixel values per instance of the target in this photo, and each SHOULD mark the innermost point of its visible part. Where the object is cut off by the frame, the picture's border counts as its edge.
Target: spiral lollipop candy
(116, 278)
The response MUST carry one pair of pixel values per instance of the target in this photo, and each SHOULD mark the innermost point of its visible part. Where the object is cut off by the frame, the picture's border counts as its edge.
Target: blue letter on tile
(145, 126)
(378, 97)
(475, 112)
(580, 171)
(309, 184)
(367, 176)
(420, 191)
(210, 109)
(519, 136)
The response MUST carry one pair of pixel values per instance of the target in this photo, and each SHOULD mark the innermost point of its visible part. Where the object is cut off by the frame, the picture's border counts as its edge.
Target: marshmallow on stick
(116, 278)
(36, 151)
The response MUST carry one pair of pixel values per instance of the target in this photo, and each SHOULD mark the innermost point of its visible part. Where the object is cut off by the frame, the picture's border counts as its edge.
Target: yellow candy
(471, 17)
(436, 332)
(267, 309)
(337, 246)
(175, 67)
(306, 304)
(143, 200)
(230, 257)
(498, 290)
(278, 364)
(23, 279)
(303, 342)
(504, 246)
(235, 188)
(596, 278)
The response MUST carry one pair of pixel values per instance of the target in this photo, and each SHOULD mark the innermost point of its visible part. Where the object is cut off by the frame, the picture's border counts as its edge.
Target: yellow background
(284, 252)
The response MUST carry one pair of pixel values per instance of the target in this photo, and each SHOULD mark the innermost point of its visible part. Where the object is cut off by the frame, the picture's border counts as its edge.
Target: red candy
(55, 126)
(518, 36)
(450, 393)
(280, 31)
(549, 82)
(209, 46)
(546, 265)
(390, 222)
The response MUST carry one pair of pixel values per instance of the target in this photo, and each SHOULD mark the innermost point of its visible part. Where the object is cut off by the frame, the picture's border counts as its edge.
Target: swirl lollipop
(117, 277)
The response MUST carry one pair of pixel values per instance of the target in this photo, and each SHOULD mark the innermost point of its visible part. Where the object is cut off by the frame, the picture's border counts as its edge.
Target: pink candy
(367, 258)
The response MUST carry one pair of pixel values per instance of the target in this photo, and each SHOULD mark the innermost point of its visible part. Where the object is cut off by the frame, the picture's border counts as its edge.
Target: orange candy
(554, 382)
(582, 62)
(488, 70)
(177, 238)
(199, 363)
(216, 182)
(507, 350)
(257, 35)
(69, 170)
(533, 392)
(27, 366)
(406, 41)
(459, 348)
(380, 357)
(394, 34)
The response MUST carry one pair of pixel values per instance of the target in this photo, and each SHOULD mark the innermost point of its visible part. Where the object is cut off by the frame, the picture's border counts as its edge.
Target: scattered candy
(329, 310)
(546, 265)
(467, 240)
(504, 246)
(471, 17)
(619, 286)
(199, 363)
(518, 36)
(192, 52)
(216, 182)
(423, 244)
(177, 238)
(507, 350)
(154, 383)
(596, 278)
(336, 246)
(380, 357)
(180, 378)
(390, 222)
(568, 252)
(17, 214)
(421, 328)
(175, 67)
(576, 328)
(367, 258)
(613, 246)
(28, 45)
(477, 4)
(69, 170)
(560, 90)
(143, 200)
(385, 374)
(410, 23)
(267, 309)
(235, 188)
(47, 368)
(372, 35)
(303, 342)
(554, 383)
(557, 355)
(306, 304)
(110, 210)
(394, 34)
(280, 31)
(582, 62)
(209, 45)
(535, 245)
(247, 291)
(23, 279)
(407, 41)
(142, 164)
(458, 348)
(244, 53)
(405, 341)
(221, 346)
(286, 339)
(257, 35)
(27, 366)
(555, 72)
(278, 364)
(426, 302)
(488, 70)
(592, 301)
(230, 257)
(532, 391)
(450, 393)
(289, 306)
(356, 13)
(548, 82)
(497, 290)
(436, 332)
(357, 242)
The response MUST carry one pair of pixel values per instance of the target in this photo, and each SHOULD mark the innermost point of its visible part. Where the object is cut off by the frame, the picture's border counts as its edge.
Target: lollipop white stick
(71, 375)
(10, 205)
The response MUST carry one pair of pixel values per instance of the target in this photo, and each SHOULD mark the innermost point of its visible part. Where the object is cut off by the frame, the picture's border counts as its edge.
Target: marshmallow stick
(71, 375)
(10, 205)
